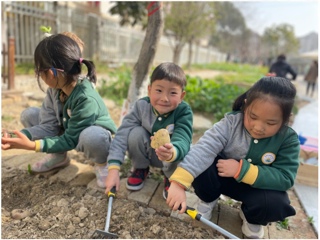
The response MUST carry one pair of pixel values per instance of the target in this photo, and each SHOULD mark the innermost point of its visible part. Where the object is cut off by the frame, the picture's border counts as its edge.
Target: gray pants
(141, 153)
(94, 141)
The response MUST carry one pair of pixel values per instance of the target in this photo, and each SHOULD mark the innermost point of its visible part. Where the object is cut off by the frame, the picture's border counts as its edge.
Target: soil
(34, 207)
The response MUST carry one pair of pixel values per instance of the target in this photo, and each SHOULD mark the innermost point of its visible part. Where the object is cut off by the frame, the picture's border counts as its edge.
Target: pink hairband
(80, 60)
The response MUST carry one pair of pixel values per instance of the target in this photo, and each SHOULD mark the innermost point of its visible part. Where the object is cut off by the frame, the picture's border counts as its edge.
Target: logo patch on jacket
(268, 158)
(170, 128)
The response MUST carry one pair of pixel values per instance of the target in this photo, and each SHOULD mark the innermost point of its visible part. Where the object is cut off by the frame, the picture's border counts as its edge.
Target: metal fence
(105, 40)
(22, 20)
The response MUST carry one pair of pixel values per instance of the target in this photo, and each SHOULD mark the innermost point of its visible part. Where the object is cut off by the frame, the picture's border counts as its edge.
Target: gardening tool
(195, 215)
(99, 234)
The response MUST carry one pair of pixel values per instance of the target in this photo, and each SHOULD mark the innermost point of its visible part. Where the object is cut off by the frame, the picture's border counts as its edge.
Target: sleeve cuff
(251, 175)
(174, 156)
(114, 167)
(39, 146)
(183, 177)
(114, 164)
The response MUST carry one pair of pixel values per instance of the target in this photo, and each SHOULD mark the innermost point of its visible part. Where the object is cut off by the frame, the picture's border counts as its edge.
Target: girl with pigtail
(251, 155)
(73, 114)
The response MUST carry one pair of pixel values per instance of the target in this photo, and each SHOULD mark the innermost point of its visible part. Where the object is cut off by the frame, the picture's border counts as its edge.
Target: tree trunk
(147, 53)
(190, 54)
(176, 53)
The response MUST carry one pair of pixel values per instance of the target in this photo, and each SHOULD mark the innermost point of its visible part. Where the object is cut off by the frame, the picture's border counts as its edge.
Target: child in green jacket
(163, 108)
(73, 114)
(251, 155)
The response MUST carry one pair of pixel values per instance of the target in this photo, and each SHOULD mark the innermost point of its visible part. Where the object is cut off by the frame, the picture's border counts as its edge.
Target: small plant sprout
(310, 220)
(45, 29)
(283, 224)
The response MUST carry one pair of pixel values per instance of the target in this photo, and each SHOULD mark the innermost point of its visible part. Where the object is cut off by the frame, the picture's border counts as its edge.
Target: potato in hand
(160, 138)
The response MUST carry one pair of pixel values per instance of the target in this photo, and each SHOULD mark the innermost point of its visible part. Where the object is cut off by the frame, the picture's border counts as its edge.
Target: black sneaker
(166, 187)
(136, 180)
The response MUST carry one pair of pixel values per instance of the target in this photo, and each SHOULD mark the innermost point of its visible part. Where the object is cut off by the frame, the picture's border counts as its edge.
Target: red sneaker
(136, 180)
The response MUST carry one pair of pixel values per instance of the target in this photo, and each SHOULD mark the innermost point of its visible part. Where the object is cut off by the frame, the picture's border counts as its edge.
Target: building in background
(105, 40)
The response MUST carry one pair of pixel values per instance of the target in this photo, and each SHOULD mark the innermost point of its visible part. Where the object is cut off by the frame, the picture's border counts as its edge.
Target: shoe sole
(135, 188)
(164, 195)
(244, 228)
(56, 167)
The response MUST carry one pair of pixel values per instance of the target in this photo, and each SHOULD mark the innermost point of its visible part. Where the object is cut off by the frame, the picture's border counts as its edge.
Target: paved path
(306, 124)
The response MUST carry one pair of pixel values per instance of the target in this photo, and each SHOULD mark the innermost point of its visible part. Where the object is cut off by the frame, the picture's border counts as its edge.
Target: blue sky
(302, 15)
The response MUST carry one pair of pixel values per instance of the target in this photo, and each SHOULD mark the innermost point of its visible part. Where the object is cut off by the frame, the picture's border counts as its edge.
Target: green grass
(283, 224)
(7, 118)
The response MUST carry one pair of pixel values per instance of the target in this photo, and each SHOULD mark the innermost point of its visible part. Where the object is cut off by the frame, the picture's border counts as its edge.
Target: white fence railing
(104, 39)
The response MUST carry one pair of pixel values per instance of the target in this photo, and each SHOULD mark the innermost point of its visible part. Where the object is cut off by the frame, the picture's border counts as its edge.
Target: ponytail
(239, 103)
(91, 69)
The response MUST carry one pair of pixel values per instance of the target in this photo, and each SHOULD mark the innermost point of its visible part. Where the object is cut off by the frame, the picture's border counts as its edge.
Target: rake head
(99, 234)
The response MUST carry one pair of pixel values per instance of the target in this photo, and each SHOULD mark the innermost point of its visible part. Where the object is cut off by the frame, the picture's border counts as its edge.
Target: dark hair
(281, 90)
(171, 72)
(282, 57)
(61, 52)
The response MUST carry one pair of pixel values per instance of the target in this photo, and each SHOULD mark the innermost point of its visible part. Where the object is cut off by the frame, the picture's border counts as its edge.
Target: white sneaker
(101, 174)
(253, 231)
(51, 161)
(205, 209)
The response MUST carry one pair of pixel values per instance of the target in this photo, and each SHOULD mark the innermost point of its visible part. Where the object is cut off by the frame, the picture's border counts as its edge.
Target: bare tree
(147, 53)
(186, 22)
(134, 12)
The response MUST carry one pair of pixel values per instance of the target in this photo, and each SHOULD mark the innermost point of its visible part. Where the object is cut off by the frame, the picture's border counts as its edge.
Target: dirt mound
(34, 207)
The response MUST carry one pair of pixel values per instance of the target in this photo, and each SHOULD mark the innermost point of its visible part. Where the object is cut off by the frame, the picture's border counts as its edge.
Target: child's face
(48, 79)
(165, 96)
(263, 118)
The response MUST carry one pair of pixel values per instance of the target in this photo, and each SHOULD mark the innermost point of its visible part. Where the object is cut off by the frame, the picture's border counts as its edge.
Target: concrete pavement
(306, 124)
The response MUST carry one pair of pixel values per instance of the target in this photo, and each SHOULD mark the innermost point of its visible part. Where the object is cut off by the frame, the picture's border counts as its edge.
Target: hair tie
(80, 60)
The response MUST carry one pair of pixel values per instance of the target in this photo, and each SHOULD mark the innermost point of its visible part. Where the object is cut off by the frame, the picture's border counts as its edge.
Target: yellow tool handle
(191, 212)
(112, 192)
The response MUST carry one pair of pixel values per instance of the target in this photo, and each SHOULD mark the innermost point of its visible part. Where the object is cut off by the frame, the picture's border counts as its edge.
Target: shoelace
(139, 173)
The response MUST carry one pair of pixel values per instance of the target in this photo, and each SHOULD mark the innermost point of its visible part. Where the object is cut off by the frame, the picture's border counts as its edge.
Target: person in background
(73, 114)
(281, 68)
(251, 155)
(312, 77)
(162, 108)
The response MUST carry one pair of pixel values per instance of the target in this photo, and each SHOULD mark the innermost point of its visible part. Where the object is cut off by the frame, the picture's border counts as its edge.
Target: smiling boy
(162, 108)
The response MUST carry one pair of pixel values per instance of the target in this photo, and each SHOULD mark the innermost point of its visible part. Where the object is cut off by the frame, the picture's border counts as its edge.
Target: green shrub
(232, 67)
(117, 87)
(24, 69)
(211, 96)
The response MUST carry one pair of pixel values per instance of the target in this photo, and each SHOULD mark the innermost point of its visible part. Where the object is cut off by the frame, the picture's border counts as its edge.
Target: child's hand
(227, 167)
(4, 134)
(165, 152)
(20, 141)
(272, 74)
(176, 197)
(113, 179)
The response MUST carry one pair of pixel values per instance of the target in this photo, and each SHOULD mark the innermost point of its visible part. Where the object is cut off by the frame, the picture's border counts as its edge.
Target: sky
(302, 15)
